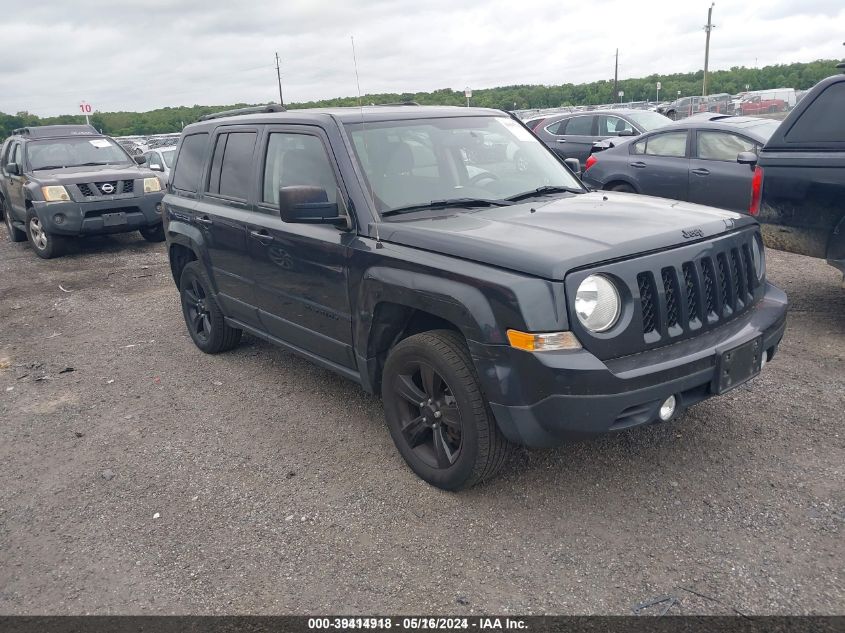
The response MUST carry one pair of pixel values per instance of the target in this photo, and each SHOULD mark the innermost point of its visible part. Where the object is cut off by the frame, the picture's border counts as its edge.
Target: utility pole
(279, 77)
(616, 74)
(709, 27)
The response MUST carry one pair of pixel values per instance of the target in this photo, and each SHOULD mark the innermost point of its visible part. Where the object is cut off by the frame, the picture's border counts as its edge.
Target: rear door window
(824, 119)
(231, 165)
(189, 164)
(580, 126)
(670, 144)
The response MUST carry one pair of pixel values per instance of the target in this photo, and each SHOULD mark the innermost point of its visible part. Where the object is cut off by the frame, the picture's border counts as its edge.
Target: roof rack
(264, 109)
(52, 131)
(398, 103)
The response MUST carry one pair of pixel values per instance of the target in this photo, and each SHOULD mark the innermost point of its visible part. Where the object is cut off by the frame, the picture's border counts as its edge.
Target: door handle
(638, 164)
(560, 140)
(262, 236)
(204, 220)
(701, 172)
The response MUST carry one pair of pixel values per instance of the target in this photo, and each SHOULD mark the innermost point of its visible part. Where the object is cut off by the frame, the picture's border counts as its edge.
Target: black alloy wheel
(429, 416)
(438, 416)
(197, 314)
(203, 317)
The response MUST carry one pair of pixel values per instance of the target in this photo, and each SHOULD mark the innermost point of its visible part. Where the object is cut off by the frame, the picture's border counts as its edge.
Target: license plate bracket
(114, 219)
(737, 365)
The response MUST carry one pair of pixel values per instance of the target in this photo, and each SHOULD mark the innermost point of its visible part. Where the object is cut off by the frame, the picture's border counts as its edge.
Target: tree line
(172, 119)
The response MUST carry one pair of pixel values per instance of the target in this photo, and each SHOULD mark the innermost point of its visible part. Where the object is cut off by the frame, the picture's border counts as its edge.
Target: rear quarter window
(823, 121)
(188, 169)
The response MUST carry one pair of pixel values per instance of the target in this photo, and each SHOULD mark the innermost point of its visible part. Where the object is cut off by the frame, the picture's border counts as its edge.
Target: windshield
(168, 155)
(648, 121)
(410, 163)
(74, 152)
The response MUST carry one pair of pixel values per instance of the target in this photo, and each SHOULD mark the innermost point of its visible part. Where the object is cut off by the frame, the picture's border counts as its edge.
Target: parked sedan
(572, 135)
(694, 160)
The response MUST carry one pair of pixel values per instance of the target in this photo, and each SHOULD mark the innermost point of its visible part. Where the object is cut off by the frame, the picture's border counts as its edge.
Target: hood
(565, 233)
(90, 173)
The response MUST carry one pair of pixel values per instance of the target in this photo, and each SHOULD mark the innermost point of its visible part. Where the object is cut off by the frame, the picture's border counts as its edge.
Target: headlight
(151, 185)
(55, 193)
(757, 257)
(597, 303)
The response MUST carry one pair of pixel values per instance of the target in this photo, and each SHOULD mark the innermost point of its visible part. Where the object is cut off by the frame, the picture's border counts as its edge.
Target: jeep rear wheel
(45, 244)
(15, 234)
(438, 417)
(203, 317)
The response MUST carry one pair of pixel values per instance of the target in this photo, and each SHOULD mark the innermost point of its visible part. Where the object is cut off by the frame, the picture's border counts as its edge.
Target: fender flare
(458, 303)
(183, 234)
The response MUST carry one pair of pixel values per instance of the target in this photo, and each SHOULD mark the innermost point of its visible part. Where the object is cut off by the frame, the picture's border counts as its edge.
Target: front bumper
(87, 218)
(545, 399)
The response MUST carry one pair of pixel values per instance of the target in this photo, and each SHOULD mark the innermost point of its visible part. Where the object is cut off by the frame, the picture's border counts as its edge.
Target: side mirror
(627, 133)
(574, 164)
(308, 205)
(140, 159)
(156, 167)
(747, 158)
(13, 169)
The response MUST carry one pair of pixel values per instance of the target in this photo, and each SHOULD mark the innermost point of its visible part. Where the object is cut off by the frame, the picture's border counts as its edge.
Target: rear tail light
(591, 160)
(756, 191)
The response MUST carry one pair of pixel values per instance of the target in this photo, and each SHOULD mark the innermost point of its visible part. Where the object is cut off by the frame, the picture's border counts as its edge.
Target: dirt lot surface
(155, 479)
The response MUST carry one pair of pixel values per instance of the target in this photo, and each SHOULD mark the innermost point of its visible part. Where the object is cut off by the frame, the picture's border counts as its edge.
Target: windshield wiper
(545, 189)
(48, 167)
(91, 164)
(444, 204)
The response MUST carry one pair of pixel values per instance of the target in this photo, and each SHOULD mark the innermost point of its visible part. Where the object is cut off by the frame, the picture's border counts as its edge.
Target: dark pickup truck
(798, 189)
(489, 302)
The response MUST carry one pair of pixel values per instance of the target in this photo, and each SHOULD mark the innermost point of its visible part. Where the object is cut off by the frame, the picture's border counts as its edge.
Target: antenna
(364, 132)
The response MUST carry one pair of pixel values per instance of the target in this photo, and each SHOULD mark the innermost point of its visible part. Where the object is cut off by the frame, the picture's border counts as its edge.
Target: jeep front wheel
(45, 244)
(437, 415)
(206, 323)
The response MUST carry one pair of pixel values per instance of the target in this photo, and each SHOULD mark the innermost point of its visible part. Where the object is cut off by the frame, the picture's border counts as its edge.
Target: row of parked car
(721, 160)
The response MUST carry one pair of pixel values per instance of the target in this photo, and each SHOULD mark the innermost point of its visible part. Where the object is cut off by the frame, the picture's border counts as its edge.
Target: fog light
(667, 409)
(59, 218)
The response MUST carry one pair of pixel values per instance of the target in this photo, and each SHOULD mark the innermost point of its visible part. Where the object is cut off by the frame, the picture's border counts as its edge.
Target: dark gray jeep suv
(60, 181)
(489, 301)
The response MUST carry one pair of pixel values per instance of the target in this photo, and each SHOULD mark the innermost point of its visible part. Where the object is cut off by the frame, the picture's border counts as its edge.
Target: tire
(45, 244)
(203, 318)
(153, 233)
(623, 187)
(14, 233)
(451, 439)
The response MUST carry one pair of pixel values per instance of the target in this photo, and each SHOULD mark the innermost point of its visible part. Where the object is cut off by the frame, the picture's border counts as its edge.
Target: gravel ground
(155, 479)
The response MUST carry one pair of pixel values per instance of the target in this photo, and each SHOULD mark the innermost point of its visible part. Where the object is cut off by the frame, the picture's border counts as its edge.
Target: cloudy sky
(138, 56)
